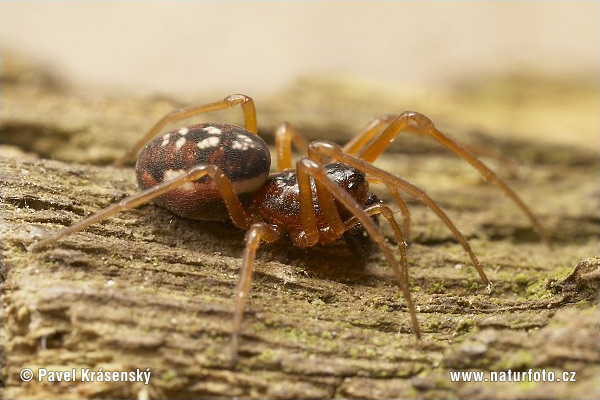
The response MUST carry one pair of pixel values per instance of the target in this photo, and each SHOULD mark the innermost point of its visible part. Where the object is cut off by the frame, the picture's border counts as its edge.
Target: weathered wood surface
(146, 289)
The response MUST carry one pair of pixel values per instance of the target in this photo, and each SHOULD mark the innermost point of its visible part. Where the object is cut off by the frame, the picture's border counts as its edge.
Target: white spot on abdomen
(209, 142)
(212, 129)
(180, 142)
(244, 138)
(237, 145)
(184, 131)
(165, 139)
(171, 174)
(243, 142)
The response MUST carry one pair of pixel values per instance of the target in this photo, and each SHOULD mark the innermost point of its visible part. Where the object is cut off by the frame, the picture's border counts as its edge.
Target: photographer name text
(86, 375)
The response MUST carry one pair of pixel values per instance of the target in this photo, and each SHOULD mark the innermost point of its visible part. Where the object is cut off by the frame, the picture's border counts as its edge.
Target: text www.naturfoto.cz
(512, 376)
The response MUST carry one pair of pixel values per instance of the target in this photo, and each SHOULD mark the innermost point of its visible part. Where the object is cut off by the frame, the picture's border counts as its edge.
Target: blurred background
(182, 48)
(466, 59)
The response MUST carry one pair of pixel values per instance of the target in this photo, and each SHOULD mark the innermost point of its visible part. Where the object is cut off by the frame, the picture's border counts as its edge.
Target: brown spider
(314, 203)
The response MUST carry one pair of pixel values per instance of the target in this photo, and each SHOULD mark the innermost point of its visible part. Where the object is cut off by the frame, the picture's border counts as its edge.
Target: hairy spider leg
(257, 232)
(328, 149)
(285, 135)
(377, 135)
(388, 214)
(314, 169)
(233, 204)
(246, 103)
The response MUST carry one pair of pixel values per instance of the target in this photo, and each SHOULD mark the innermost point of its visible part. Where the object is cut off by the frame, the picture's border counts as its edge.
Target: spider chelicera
(217, 171)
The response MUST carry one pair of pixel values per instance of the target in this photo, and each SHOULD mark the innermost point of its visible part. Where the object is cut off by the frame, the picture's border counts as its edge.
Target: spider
(217, 171)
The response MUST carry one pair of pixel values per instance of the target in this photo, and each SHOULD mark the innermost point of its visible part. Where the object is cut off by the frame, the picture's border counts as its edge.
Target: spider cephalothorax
(220, 171)
(278, 201)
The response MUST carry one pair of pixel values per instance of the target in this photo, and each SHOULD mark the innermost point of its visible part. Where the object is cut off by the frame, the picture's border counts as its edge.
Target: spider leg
(388, 214)
(376, 125)
(401, 203)
(285, 135)
(367, 133)
(403, 210)
(360, 140)
(373, 140)
(257, 232)
(246, 102)
(310, 235)
(316, 170)
(233, 204)
(319, 149)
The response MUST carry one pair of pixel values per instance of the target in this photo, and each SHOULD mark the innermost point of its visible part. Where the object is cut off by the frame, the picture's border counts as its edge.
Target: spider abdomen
(242, 155)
